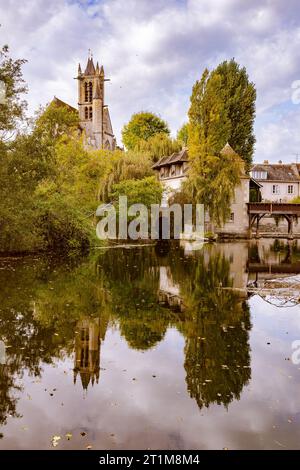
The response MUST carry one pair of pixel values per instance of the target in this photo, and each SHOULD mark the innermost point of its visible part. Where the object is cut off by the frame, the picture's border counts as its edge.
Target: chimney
(266, 162)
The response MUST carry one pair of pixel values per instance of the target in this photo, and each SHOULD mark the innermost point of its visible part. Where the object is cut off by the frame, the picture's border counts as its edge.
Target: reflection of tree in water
(133, 282)
(214, 321)
(47, 307)
(7, 390)
(216, 328)
(41, 304)
(27, 342)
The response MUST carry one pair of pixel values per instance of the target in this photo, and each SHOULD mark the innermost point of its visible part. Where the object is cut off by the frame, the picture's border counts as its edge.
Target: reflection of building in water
(87, 351)
(271, 258)
(237, 255)
(168, 293)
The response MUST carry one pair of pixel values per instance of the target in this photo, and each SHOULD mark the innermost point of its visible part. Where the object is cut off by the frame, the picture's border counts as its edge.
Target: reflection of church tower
(87, 351)
(93, 113)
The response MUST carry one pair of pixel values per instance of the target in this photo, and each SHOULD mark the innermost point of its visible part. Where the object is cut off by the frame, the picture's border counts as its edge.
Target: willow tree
(158, 145)
(222, 111)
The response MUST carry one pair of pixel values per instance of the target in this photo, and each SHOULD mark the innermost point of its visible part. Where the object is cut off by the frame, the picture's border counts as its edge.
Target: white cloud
(154, 51)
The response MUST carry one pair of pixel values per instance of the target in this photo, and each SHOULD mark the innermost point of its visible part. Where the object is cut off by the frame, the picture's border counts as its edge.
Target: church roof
(59, 102)
(90, 68)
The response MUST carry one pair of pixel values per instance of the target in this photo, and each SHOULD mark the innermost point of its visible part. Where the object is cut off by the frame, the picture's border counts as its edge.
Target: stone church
(94, 119)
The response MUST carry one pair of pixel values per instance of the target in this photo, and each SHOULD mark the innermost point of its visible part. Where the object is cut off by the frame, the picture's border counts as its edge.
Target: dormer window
(259, 175)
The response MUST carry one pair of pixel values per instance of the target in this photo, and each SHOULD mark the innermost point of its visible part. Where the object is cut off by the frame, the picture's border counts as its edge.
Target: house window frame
(275, 189)
(290, 189)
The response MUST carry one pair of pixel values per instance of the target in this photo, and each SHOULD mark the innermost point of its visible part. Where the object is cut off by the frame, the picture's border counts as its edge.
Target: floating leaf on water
(83, 434)
(68, 436)
(55, 440)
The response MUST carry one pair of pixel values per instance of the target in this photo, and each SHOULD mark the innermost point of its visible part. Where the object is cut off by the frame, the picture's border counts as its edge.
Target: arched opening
(90, 112)
(86, 112)
(107, 145)
(256, 218)
(88, 92)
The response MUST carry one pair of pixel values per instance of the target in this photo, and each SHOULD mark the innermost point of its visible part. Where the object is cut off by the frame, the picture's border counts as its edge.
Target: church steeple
(90, 68)
(93, 116)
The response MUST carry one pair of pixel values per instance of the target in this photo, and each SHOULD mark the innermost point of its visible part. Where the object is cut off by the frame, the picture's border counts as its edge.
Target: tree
(142, 126)
(223, 109)
(145, 191)
(158, 145)
(219, 100)
(56, 120)
(122, 166)
(182, 135)
(12, 107)
(212, 181)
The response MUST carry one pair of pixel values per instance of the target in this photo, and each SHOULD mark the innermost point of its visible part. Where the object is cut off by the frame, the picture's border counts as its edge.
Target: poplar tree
(222, 111)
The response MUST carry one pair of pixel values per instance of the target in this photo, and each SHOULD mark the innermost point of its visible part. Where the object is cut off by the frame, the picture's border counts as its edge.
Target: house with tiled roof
(173, 170)
(280, 182)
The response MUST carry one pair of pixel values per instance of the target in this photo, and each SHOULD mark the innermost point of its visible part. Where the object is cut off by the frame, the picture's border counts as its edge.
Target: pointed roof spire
(79, 69)
(90, 68)
(228, 150)
(97, 69)
(102, 71)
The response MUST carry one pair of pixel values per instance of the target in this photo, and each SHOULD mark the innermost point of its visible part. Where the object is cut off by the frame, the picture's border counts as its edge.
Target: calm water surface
(142, 347)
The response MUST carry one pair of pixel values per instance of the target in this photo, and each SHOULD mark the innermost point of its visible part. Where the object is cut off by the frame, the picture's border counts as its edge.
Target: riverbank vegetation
(51, 182)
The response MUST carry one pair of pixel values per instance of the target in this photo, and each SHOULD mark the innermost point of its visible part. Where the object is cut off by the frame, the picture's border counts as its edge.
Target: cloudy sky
(153, 51)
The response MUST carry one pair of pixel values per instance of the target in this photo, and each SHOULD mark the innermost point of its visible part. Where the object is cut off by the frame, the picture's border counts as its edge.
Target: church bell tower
(93, 114)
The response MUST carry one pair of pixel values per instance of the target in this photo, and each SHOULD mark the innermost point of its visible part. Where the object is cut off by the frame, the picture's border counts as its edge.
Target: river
(149, 347)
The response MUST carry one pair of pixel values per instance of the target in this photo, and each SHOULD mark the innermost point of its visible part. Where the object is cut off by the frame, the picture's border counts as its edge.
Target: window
(88, 92)
(86, 112)
(259, 175)
(232, 217)
(90, 112)
(290, 189)
(275, 189)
